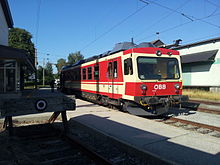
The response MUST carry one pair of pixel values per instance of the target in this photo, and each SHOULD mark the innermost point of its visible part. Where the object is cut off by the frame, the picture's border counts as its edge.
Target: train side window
(89, 73)
(84, 74)
(78, 74)
(115, 69)
(110, 68)
(96, 72)
(128, 68)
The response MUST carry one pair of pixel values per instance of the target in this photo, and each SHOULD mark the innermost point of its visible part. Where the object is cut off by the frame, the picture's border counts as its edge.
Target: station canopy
(17, 54)
(207, 56)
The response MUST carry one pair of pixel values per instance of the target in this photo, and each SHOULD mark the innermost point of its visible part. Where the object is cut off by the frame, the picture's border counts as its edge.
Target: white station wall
(3, 28)
(202, 74)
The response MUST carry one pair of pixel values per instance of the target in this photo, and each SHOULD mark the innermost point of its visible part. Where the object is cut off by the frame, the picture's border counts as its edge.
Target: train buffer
(35, 102)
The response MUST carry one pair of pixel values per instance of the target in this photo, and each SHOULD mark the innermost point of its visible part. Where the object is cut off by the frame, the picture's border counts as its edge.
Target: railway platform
(158, 140)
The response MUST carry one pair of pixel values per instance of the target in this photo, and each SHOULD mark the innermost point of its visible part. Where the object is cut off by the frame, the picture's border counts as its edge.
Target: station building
(201, 64)
(13, 62)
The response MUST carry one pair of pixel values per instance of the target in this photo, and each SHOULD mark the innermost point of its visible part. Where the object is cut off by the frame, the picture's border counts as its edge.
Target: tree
(48, 73)
(74, 57)
(60, 63)
(21, 39)
(40, 74)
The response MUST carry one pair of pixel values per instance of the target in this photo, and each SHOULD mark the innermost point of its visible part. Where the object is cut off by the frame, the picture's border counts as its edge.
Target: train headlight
(177, 86)
(158, 53)
(169, 53)
(143, 87)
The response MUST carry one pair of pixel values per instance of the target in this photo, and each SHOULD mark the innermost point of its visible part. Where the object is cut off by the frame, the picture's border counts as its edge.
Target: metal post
(43, 71)
(35, 63)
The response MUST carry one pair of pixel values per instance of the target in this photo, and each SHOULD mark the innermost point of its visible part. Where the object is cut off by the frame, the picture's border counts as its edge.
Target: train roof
(117, 48)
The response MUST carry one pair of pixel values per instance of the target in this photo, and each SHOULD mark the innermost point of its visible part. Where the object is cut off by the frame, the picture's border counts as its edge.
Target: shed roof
(7, 52)
(7, 13)
(207, 56)
(213, 40)
(157, 43)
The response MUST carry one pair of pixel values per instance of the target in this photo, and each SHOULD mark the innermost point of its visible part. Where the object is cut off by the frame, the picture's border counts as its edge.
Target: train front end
(158, 79)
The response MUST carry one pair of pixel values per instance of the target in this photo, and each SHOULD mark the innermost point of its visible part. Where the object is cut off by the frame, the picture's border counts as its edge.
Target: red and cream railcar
(142, 81)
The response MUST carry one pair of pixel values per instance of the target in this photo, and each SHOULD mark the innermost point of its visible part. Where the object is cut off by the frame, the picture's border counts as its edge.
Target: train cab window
(110, 72)
(128, 68)
(96, 72)
(89, 73)
(84, 74)
(115, 69)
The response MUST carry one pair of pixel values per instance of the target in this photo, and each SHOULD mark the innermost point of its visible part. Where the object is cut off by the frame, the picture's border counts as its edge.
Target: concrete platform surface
(167, 142)
(202, 117)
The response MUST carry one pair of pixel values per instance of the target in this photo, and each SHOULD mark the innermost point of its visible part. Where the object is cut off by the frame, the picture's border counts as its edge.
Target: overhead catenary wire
(197, 39)
(162, 31)
(37, 23)
(191, 18)
(168, 8)
(113, 27)
(162, 18)
(214, 4)
(177, 26)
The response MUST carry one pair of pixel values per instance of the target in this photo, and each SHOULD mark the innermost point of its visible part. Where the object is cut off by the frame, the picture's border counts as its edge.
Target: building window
(89, 73)
(7, 76)
(84, 73)
(96, 72)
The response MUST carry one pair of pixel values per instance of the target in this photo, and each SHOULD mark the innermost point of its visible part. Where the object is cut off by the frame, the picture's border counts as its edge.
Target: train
(142, 79)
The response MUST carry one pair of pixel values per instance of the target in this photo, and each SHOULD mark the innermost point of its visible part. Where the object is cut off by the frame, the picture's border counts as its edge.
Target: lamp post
(43, 71)
(44, 68)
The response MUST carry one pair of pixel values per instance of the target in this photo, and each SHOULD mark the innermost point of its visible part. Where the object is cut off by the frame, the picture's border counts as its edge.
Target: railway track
(44, 145)
(190, 125)
(207, 106)
(193, 126)
(213, 111)
(205, 102)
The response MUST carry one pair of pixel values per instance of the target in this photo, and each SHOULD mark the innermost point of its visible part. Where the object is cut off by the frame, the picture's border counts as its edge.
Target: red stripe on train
(110, 95)
(153, 88)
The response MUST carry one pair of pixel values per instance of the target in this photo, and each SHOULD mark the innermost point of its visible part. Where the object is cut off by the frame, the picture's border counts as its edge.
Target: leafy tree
(21, 39)
(74, 57)
(60, 63)
(40, 74)
(48, 73)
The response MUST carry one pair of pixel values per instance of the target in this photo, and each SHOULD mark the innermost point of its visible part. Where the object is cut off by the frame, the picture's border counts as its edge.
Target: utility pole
(35, 63)
(43, 71)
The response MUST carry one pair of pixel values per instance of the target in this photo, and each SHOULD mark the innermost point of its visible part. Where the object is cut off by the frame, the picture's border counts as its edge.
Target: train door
(112, 76)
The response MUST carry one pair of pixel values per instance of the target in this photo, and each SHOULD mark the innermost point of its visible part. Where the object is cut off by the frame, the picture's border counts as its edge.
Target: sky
(60, 27)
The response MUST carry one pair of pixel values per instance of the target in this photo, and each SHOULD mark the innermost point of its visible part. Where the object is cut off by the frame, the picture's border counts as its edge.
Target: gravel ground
(116, 152)
(23, 150)
(38, 145)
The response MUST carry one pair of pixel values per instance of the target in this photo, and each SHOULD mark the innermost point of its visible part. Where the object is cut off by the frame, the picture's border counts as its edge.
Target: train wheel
(104, 101)
(124, 107)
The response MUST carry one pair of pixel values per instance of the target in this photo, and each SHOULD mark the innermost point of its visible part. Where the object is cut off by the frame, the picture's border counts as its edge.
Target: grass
(201, 94)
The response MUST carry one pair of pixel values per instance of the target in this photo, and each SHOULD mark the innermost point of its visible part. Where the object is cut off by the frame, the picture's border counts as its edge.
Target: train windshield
(158, 68)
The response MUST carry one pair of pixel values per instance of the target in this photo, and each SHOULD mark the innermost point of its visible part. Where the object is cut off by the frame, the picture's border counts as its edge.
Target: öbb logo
(160, 86)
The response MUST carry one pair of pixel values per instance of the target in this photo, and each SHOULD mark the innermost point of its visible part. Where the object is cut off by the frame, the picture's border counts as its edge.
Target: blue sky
(94, 26)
